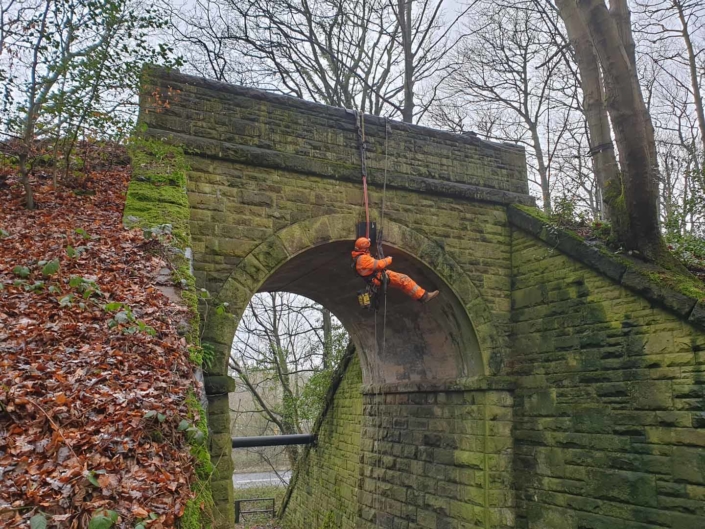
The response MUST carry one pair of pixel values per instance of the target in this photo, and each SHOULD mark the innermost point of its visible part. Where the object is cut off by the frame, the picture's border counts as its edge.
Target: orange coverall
(366, 265)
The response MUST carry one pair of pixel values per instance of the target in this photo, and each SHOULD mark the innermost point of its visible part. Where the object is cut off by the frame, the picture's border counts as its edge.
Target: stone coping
(631, 274)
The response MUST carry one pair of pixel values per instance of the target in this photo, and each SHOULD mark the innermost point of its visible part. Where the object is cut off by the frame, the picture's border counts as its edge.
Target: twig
(56, 426)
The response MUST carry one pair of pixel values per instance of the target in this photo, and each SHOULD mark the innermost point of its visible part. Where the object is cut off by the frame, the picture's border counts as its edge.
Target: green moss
(199, 450)
(158, 205)
(198, 511)
(157, 162)
(157, 192)
(688, 286)
(157, 196)
(534, 212)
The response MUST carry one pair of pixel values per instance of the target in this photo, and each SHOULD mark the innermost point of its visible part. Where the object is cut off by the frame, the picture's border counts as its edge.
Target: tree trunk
(24, 180)
(543, 171)
(604, 160)
(697, 96)
(327, 338)
(619, 11)
(636, 202)
(405, 23)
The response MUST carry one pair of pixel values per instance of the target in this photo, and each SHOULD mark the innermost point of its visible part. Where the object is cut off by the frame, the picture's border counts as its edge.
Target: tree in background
(671, 35)
(378, 56)
(601, 148)
(285, 350)
(511, 82)
(633, 203)
(70, 67)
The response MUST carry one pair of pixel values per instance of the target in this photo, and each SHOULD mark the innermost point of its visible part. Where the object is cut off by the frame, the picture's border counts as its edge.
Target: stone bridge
(550, 386)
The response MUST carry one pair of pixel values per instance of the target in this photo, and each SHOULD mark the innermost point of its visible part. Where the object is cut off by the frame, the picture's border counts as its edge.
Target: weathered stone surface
(608, 397)
(219, 385)
(650, 289)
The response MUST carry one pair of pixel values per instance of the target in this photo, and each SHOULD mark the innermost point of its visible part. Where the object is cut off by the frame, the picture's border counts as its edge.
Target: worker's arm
(383, 263)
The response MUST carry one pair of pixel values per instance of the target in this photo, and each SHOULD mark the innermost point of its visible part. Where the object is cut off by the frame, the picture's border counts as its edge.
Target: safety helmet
(362, 244)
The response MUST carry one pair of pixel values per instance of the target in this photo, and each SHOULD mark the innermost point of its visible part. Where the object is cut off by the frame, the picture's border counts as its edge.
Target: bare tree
(511, 80)
(378, 56)
(284, 351)
(634, 203)
(593, 103)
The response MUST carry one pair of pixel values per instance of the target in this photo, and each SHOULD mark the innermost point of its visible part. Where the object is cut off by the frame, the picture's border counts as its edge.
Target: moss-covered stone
(157, 197)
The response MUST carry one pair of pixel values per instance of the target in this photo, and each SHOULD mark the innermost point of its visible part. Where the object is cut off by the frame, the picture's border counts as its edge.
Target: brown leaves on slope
(93, 373)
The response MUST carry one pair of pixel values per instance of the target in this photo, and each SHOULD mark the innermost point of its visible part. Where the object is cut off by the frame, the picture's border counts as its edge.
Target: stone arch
(272, 263)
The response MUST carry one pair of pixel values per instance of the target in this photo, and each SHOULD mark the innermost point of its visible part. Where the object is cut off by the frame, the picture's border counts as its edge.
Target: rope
(360, 124)
(384, 186)
(381, 227)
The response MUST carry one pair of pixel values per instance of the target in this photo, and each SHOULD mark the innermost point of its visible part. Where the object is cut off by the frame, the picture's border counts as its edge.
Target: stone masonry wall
(326, 483)
(235, 207)
(609, 412)
(436, 459)
(260, 163)
(268, 130)
(593, 415)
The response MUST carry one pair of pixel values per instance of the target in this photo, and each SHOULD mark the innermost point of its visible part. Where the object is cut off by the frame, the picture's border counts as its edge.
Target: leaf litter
(81, 383)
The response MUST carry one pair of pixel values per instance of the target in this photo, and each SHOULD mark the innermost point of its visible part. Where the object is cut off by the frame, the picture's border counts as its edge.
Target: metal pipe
(274, 440)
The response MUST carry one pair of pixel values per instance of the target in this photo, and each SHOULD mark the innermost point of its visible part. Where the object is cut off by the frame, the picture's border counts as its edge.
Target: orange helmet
(362, 244)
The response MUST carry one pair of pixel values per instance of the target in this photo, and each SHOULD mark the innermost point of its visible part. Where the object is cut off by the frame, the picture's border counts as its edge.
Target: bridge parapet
(264, 129)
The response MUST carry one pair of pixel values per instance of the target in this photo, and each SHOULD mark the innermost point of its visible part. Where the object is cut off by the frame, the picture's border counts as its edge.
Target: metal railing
(239, 512)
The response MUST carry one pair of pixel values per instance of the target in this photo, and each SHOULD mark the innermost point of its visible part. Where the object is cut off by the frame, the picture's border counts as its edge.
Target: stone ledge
(351, 173)
(483, 383)
(633, 275)
(218, 385)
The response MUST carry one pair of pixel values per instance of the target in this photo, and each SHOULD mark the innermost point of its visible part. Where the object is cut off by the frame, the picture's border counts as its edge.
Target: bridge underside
(549, 387)
(414, 342)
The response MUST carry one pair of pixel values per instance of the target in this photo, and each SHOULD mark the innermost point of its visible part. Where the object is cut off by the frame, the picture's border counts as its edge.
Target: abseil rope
(360, 123)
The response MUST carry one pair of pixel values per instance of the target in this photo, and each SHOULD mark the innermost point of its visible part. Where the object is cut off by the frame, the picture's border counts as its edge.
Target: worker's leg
(404, 283)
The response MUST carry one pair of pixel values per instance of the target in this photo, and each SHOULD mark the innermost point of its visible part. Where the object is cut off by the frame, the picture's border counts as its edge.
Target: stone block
(689, 465)
(218, 405)
(271, 253)
(652, 395)
(541, 402)
(220, 443)
(627, 487)
(223, 491)
(218, 384)
(255, 198)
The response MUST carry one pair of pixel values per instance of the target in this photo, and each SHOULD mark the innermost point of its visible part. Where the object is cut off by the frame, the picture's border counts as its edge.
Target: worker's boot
(428, 296)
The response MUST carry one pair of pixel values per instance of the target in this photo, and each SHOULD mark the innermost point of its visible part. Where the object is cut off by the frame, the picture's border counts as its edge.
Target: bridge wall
(437, 458)
(609, 422)
(324, 494)
(263, 165)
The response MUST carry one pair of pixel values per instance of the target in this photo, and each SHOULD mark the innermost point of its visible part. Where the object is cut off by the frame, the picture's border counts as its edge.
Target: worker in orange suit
(368, 267)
